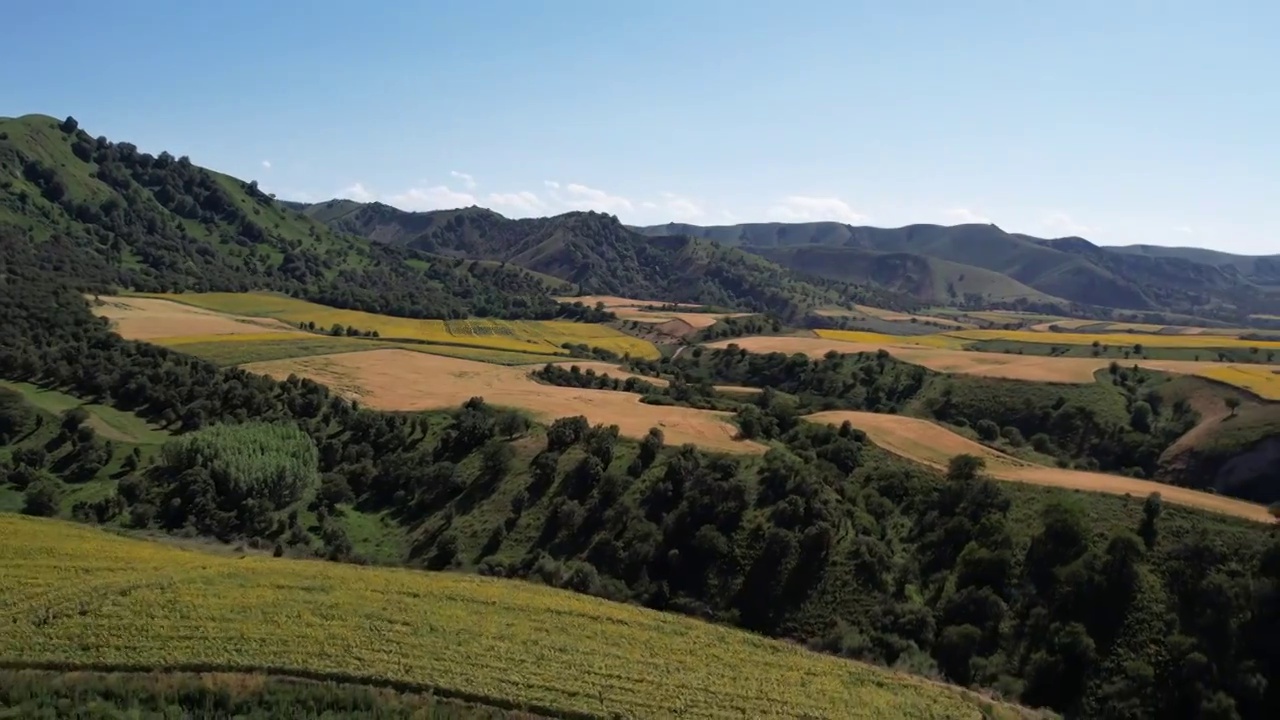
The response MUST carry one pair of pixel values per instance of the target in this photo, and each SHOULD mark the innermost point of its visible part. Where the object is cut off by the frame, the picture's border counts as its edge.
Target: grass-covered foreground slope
(106, 695)
(76, 597)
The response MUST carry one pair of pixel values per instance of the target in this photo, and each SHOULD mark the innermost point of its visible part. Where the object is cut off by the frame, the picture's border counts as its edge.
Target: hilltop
(601, 256)
(108, 215)
(1071, 269)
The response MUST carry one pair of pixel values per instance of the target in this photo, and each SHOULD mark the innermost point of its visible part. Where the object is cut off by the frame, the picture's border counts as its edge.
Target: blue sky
(1119, 120)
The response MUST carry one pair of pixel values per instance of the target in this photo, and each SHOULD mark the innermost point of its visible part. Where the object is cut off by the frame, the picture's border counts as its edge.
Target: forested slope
(106, 214)
(602, 256)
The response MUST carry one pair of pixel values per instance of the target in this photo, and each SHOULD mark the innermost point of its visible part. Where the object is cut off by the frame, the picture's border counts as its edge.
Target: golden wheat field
(283, 312)
(931, 444)
(1258, 379)
(146, 318)
(1115, 338)
(72, 595)
(403, 380)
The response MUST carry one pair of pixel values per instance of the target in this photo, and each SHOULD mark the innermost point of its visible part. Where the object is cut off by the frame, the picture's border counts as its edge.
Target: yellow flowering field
(528, 336)
(946, 341)
(73, 596)
(1261, 380)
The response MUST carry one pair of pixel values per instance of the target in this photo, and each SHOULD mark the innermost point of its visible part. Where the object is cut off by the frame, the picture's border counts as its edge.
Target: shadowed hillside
(1072, 269)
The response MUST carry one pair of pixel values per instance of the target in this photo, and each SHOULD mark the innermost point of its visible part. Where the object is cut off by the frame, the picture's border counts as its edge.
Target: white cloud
(799, 208)
(438, 197)
(266, 164)
(1064, 224)
(467, 181)
(963, 216)
(523, 201)
(1184, 229)
(681, 209)
(359, 193)
(576, 196)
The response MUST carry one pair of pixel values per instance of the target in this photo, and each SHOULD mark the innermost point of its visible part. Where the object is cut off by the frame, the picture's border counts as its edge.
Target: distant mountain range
(972, 265)
(600, 255)
(940, 263)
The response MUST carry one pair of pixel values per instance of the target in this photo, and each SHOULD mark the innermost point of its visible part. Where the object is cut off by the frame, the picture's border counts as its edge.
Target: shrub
(42, 498)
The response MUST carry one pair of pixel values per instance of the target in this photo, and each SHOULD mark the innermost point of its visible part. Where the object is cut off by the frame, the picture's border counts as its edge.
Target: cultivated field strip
(1262, 380)
(146, 604)
(210, 317)
(403, 380)
(931, 444)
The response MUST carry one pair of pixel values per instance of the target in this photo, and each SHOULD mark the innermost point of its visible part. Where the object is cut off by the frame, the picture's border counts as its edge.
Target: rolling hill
(600, 255)
(108, 215)
(1072, 268)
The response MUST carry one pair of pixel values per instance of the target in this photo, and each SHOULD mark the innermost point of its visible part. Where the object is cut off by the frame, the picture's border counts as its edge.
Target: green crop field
(72, 596)
(236, 350)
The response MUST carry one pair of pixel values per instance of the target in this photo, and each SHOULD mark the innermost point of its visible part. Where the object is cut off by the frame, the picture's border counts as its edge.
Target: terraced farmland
(190, 318)
(72, 596)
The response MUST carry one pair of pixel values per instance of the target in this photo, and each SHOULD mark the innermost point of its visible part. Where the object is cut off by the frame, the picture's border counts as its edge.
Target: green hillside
(599, 255)
(1072, 269)
(497, 642)
(929, 279)
(107, 214)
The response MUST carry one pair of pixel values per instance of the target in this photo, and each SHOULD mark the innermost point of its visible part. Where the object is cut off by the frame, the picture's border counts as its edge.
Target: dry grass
(141, 318)
(934, 445)
(404, 380)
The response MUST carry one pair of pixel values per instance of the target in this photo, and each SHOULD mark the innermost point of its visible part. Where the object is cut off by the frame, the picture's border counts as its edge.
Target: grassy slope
(125, 431)
(143, 604)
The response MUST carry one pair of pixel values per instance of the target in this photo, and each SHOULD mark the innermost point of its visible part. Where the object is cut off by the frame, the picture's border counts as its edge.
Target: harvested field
(638, 310)
(1062, 324)
(404, 380)
(1114, 338)
(140, 318)
(612, 301)
(895, 316)
(204, 317)
(934, 445)
(1258, 379)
